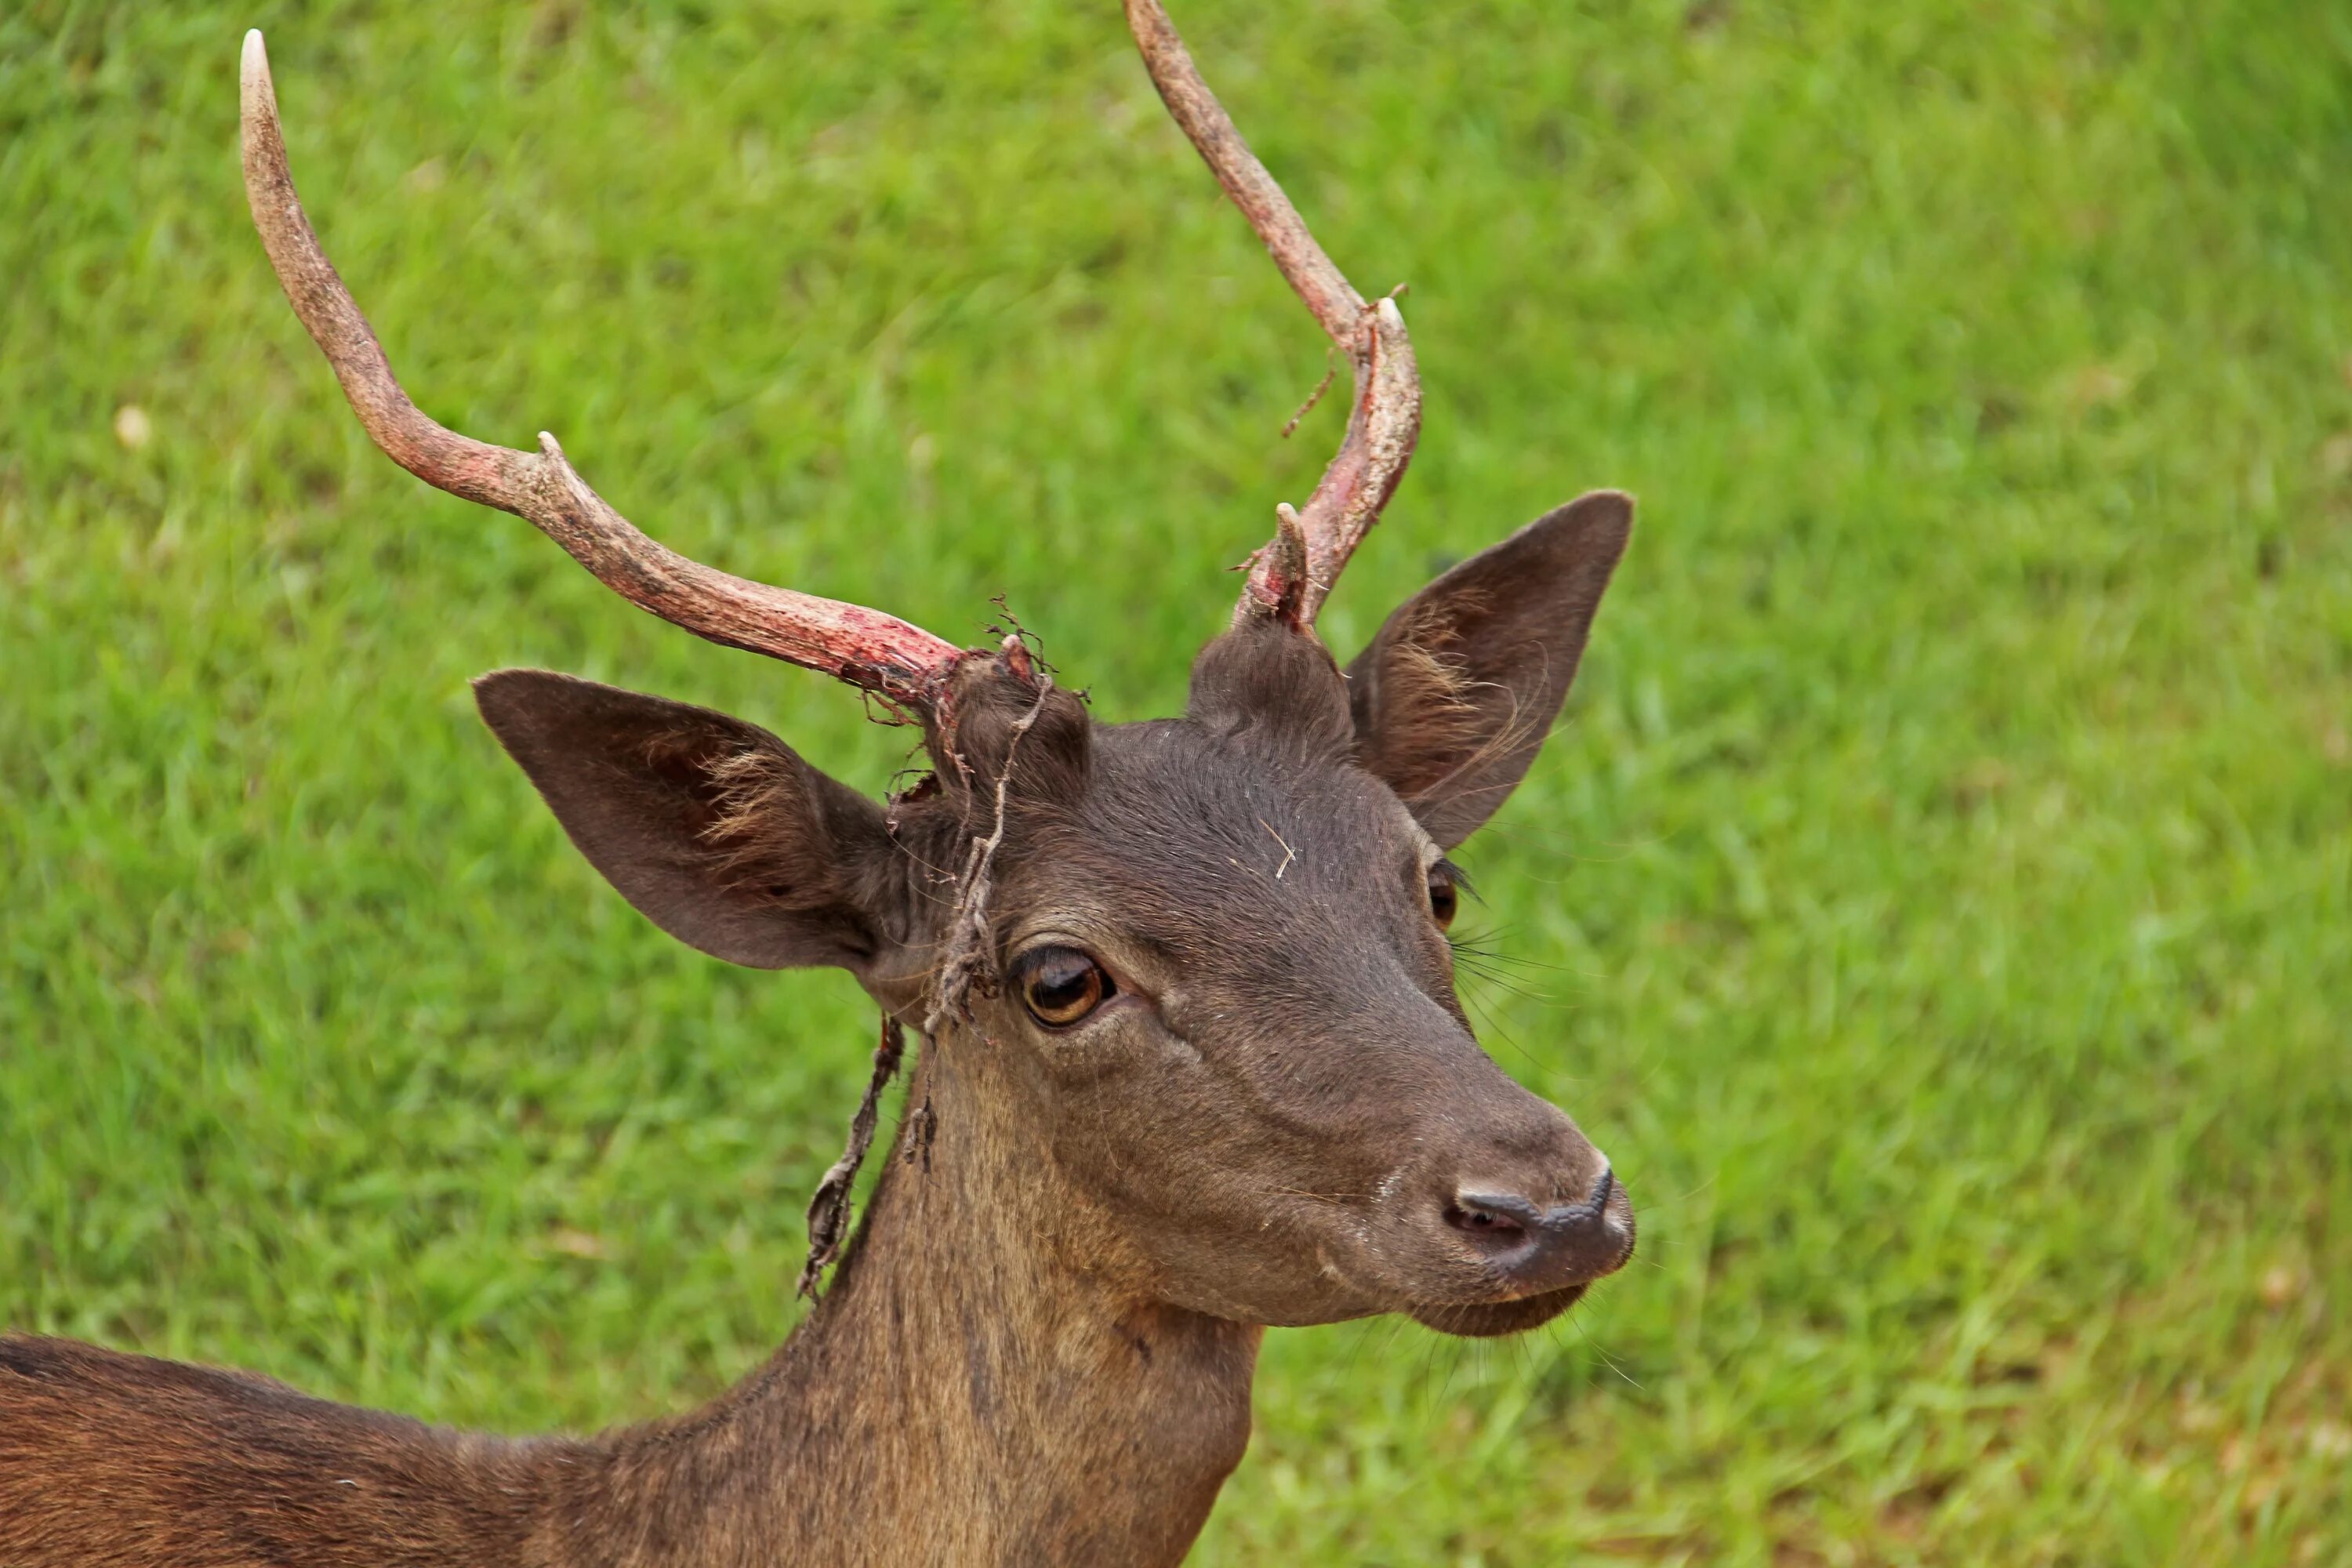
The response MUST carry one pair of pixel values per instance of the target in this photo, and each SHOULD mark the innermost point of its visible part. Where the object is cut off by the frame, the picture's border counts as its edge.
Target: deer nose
(1541, 1247)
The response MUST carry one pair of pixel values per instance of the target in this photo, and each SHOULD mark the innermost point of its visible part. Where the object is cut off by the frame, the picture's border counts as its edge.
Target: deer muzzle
(1506, 1217)
(1535, 1248)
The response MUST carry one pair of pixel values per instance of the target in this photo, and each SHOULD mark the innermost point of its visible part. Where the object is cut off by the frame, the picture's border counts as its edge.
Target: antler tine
(901, 663)
(1286, 580)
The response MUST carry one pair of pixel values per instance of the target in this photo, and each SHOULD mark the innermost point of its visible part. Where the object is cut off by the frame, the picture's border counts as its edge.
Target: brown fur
(1039, 1346)
(980, 1402)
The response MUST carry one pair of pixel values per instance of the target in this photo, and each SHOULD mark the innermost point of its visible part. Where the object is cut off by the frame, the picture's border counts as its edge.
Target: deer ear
(1454, 696)
(717, 831)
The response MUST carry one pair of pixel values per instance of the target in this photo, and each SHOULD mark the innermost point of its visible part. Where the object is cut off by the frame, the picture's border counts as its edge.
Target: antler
(1290, 576)
(903, 664)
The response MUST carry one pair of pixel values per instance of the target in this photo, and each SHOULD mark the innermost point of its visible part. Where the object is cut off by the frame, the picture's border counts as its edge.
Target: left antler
(903, 664)
(1290, 576)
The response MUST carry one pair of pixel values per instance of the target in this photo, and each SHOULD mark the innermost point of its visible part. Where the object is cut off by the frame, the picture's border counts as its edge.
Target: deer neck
(976, 1385)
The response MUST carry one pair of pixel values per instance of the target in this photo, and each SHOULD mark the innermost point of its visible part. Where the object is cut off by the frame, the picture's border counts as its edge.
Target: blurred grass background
(1940, 900)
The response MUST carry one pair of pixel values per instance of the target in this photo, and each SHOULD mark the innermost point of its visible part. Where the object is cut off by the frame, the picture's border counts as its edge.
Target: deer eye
(1444, 897)
(1060, 986)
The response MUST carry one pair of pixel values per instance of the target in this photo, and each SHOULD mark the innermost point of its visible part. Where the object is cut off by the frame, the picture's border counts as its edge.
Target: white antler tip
(1390, 317)
(256, 58)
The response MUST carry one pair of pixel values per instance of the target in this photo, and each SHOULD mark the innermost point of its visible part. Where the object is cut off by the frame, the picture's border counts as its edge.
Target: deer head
(1201, 962)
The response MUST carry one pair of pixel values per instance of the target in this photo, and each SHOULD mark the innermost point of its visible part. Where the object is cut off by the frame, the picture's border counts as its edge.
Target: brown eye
(1061, 986)
(1444, 897)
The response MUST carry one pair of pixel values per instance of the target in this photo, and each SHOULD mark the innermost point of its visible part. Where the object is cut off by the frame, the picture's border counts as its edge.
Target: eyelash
(1446, 884)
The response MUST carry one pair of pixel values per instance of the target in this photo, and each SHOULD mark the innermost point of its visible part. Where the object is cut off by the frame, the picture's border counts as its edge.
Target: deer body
(1191, 1062)
(987, 1405)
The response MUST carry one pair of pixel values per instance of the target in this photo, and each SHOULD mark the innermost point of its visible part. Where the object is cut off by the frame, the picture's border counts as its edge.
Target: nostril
(1482, 1222)
(1493, 1215)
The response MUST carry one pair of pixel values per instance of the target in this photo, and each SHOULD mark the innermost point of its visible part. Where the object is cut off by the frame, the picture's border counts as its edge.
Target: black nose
(1547, 1248)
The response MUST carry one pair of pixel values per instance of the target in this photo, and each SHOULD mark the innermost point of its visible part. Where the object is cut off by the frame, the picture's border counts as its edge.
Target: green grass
(1940, 900)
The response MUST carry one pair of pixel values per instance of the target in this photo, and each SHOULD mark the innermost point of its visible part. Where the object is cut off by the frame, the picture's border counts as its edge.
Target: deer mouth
(1489, 1320)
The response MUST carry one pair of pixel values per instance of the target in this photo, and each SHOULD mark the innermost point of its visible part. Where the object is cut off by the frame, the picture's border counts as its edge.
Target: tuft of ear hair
(716, 830)
(1454, 696)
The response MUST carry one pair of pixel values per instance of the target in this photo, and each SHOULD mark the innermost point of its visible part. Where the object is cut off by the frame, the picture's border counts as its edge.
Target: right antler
(904, 665)
(1290, 576)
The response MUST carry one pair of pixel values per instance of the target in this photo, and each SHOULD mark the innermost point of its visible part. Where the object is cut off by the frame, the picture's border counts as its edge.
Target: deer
(1189, 1060)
